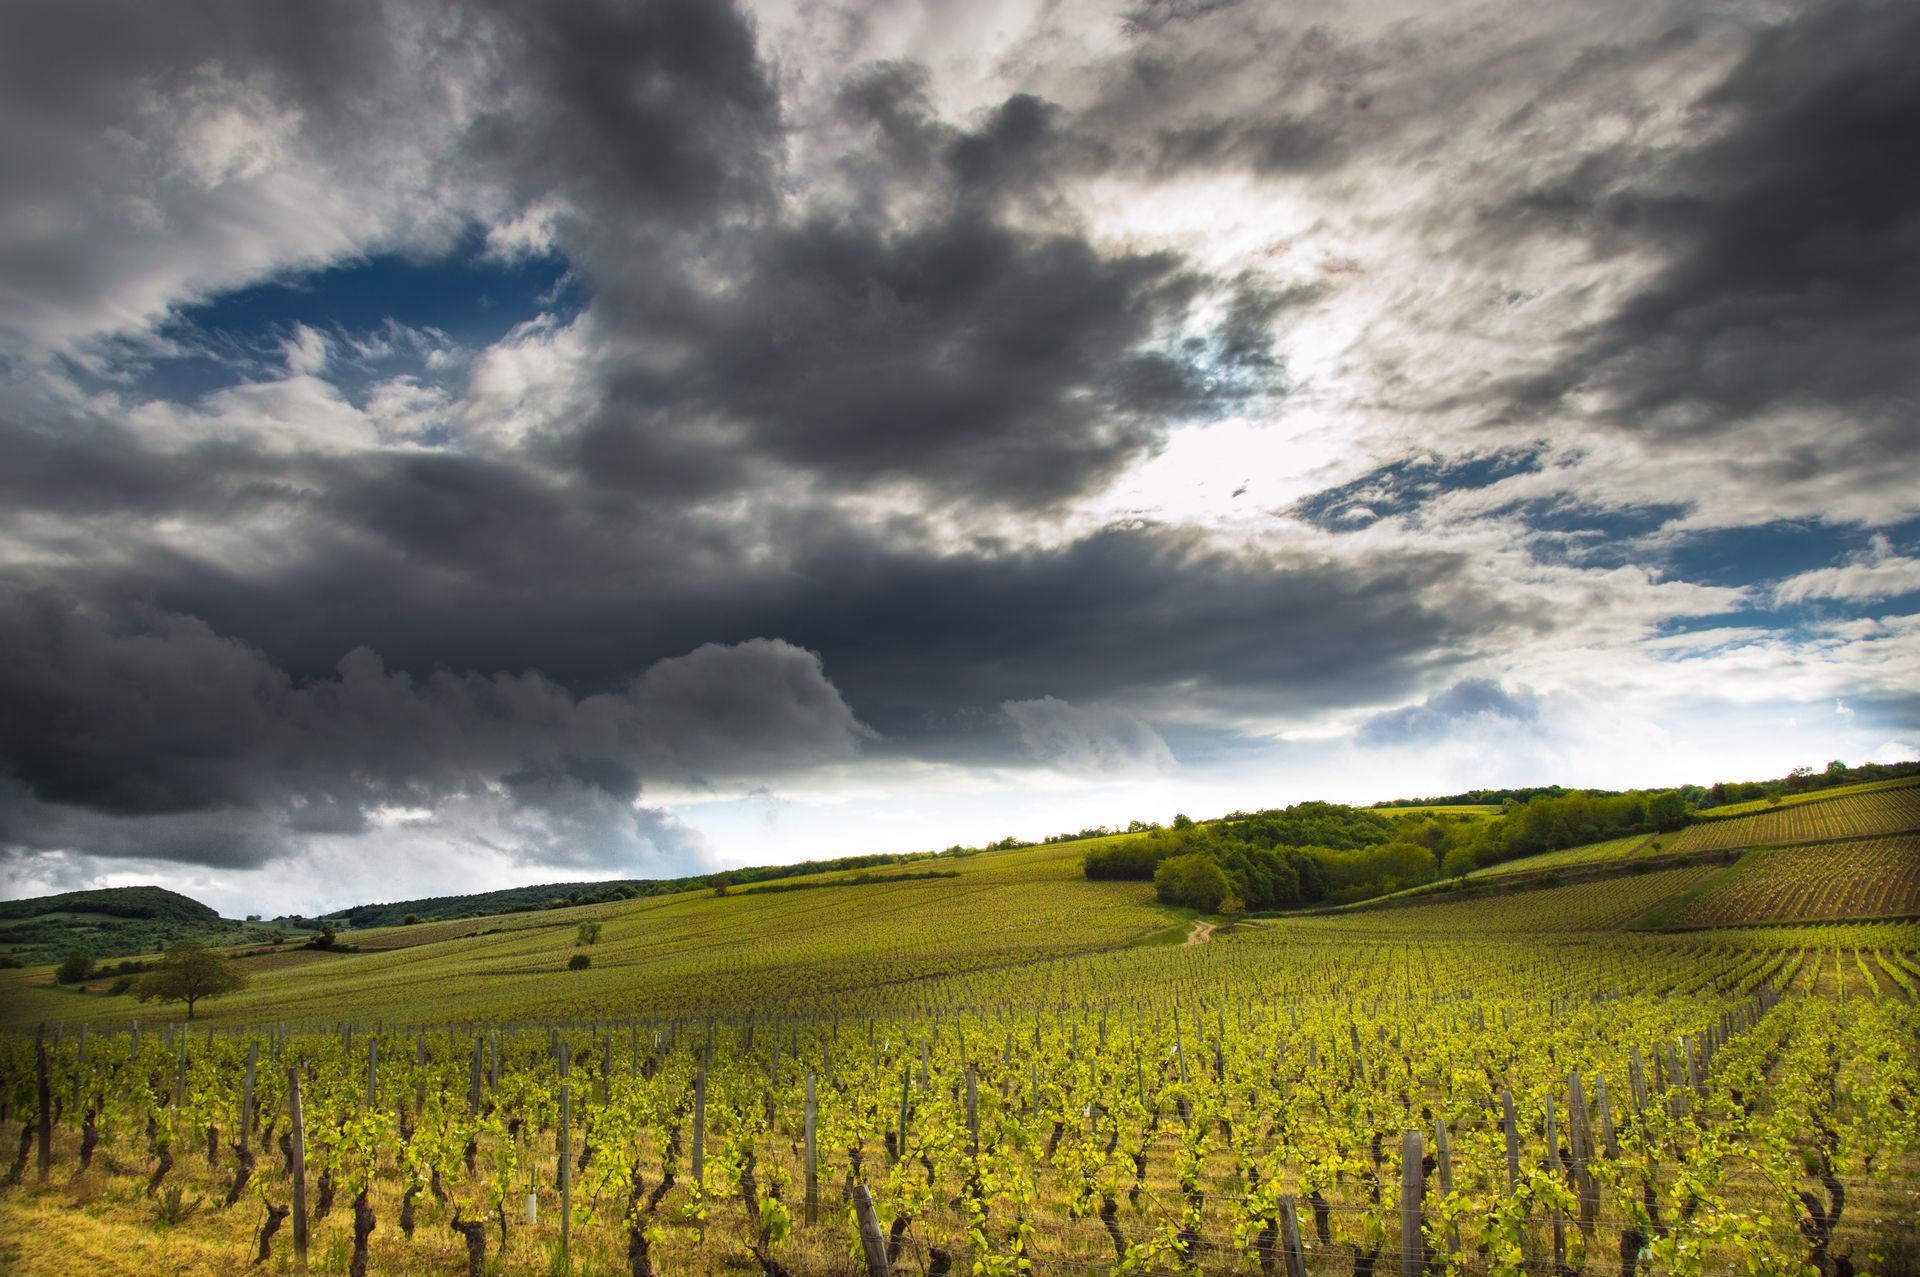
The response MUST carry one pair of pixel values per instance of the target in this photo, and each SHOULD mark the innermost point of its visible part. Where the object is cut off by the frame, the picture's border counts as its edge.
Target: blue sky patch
(468, 299)
(1402, 487)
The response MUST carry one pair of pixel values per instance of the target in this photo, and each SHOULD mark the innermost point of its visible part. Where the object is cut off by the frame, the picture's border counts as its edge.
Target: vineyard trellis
(1386, 1099)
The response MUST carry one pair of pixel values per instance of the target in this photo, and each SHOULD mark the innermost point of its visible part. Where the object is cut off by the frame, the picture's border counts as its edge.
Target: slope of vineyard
(1885, 811)
(1599, 905)
(696, 948)
(1868, 879)
(1809, 796)
(1134, 1110)
(1586, 854)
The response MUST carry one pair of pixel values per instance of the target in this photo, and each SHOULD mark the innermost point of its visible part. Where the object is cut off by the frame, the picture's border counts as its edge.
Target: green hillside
(113, 922)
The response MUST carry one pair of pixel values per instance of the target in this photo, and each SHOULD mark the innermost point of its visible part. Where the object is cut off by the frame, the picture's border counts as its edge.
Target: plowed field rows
(1874, 879)
(1888, 811)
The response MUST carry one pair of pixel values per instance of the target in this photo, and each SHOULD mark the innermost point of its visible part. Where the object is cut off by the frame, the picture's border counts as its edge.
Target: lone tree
(587, 933)
(190, 971)
(76, 967)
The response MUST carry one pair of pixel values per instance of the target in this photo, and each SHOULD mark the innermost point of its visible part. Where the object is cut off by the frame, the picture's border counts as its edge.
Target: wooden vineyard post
(973, 1113)
(1290, 1237)
(812, 1153)
(1580, 1140)
(871, 1240)
(1443, 1166)
(566, 1159)
(699, 1154)
(298, 1139)
(1513, 1142)
(43, 1095)
(80, 1066)
(1556, 1166)
(1413, 1245)
(246, 1096)
(1603, 1107)
(906, 1086)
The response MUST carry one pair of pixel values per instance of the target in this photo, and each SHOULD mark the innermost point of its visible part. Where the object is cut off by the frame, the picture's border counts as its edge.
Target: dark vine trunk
(19, 1166)
(1110, 1220)
(160, 1170)
(276, 1216)
(323, 1196)
(89, 1137)
(363, 1224)
(213, 1145)
(639, 1249)
(475, 1233)
(243, 1172)
(406, 1209)
(1631, 1240)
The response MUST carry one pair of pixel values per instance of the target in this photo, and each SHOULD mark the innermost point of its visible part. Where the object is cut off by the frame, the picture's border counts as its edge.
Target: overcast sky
(447, 446)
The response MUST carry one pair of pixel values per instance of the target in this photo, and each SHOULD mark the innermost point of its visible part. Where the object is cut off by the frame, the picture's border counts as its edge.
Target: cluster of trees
(1312, 853)
(1801, 780)
(1279, 859)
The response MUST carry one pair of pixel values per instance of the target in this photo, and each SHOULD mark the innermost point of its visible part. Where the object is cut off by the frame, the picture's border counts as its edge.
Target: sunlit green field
(849, 943)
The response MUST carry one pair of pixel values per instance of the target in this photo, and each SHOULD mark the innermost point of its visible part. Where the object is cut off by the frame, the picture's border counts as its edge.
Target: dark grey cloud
(801, 490)
(171, 154)
(960, 355)
(138, 712)
(1794, 231)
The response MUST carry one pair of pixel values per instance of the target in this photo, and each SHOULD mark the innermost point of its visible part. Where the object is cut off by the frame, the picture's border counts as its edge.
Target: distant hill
(564, 895)
(112, 922)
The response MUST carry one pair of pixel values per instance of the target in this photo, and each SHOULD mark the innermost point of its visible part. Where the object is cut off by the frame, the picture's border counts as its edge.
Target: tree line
(1314, 853)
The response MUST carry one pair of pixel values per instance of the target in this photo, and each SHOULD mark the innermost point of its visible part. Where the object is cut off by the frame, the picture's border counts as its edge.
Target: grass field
(656, 954)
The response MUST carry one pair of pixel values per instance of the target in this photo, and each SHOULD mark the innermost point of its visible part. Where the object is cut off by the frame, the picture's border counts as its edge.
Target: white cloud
(1875, 573)
(306, 351)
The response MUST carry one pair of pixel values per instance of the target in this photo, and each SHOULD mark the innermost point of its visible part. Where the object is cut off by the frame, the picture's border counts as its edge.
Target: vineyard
(1592, 853)
(1495, 1086)
(1875, 878)
(1810, 796)
(1885, 811)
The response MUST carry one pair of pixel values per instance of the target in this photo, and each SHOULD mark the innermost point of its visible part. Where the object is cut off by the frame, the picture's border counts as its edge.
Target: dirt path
(1201, 933)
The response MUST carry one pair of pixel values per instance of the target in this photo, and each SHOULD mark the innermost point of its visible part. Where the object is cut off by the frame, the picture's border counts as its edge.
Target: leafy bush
(1126, 862)
(76, 967)
(579, 962)
(1192, 880)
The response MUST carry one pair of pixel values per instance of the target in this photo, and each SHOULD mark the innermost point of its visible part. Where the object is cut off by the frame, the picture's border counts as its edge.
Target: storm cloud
(512, 440)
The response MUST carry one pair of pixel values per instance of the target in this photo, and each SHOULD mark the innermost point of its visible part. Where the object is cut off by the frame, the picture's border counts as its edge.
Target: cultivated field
(1810, 796)
(1872, 879)
(1018, 1076)
(1885, 811)
(1586, 854)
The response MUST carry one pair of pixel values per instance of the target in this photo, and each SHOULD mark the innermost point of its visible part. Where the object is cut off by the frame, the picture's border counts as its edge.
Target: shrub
(587, 933)
(1129, 861)
(1192, 880)
(76, 967)
(579, 962)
